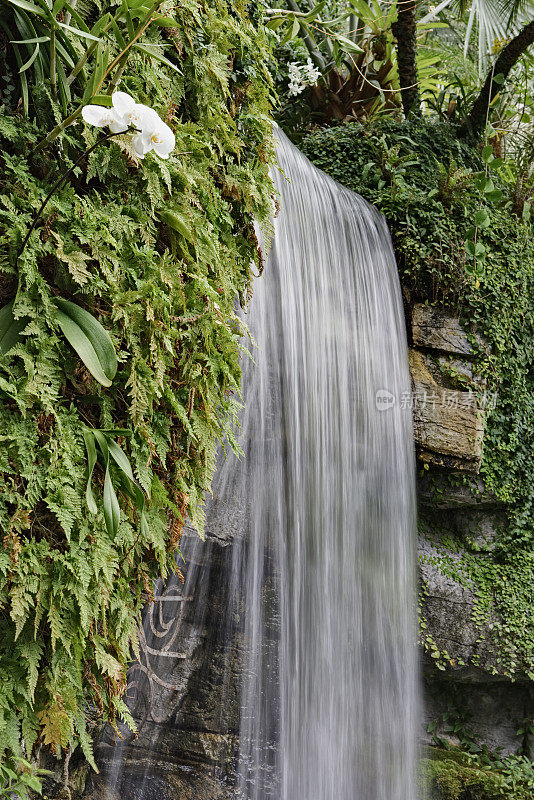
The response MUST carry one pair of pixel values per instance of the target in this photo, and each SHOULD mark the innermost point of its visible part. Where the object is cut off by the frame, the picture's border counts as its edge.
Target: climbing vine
(99, 470)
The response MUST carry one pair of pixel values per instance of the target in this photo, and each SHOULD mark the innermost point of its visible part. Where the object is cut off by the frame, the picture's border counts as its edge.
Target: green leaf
(178, 222)
(482, 219)
(163, 21)
(145, 531)
(27, 6)
(275, 22)
(83, 346)
(494, 196)
(102, 100)
(10, 328)
(31, 59)
(499, 78)
(91, 461)
(111, 506)
(83, 34)
(103, 444)
(36, 40)
(150, 50)
(487, 154)
(348, 44)
(481, 182)
(117, 432)
(120, 458)
(58, 6)
(121, 41)
(129, 22)
(98, 337)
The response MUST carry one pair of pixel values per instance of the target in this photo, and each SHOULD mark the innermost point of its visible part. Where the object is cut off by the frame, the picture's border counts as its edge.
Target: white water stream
(330, 693)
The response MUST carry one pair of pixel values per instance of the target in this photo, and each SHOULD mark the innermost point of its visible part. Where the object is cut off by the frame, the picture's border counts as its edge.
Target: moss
(451, 775)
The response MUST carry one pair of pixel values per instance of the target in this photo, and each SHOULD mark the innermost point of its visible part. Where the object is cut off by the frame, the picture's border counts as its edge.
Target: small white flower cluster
(152, 132)
(302, 75)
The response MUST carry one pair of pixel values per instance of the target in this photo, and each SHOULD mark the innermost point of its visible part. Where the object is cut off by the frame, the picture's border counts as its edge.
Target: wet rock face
(489, 712)
(183, 694)
(161, 782)
(489, 708)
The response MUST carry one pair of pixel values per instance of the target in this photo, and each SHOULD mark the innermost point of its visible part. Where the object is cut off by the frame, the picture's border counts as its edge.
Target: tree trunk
(508, 57)
(404, 31)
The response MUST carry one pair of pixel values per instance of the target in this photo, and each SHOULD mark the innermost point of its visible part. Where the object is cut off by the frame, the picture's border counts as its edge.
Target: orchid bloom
(155, 135)
(125, 113)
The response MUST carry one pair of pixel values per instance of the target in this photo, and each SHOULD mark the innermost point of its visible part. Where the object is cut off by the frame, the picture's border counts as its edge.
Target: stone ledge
(448, 423)
(437, 330)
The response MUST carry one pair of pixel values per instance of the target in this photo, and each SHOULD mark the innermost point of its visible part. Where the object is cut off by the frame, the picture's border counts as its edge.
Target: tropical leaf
(83, 346)
(112, 512)
(90, 340)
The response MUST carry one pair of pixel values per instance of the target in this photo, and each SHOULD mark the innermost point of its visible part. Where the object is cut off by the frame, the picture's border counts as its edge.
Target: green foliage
(351, 44)
(451, 775)
(15, 782)
(150, 258)
(429, 186)
(55, 45)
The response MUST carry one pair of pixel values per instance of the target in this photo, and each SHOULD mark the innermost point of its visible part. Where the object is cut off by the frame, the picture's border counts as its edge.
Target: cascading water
(322, 508)
(330, 474)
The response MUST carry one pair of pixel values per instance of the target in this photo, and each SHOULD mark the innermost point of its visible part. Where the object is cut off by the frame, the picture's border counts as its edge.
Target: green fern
(158, 253)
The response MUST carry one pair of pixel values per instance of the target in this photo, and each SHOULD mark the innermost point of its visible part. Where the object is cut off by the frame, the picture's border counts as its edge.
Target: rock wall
(183, 694)
(449, 430)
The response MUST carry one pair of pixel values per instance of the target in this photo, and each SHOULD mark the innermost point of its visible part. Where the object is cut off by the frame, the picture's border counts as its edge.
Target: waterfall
(319, 580)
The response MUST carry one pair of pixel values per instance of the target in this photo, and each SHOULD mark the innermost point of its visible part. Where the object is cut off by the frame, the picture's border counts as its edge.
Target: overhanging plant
(155, 250)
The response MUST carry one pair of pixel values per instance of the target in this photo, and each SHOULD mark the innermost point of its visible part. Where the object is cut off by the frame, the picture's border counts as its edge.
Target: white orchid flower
(152, 132)
(103, 117)
(155, 135)
(135, 115)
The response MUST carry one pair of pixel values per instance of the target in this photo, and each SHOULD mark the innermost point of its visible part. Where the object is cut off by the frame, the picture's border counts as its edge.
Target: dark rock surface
(184, 693)
(491, 712)
(435, 329)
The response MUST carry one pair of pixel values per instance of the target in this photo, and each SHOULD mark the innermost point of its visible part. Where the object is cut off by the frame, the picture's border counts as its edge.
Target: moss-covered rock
(450, 775)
